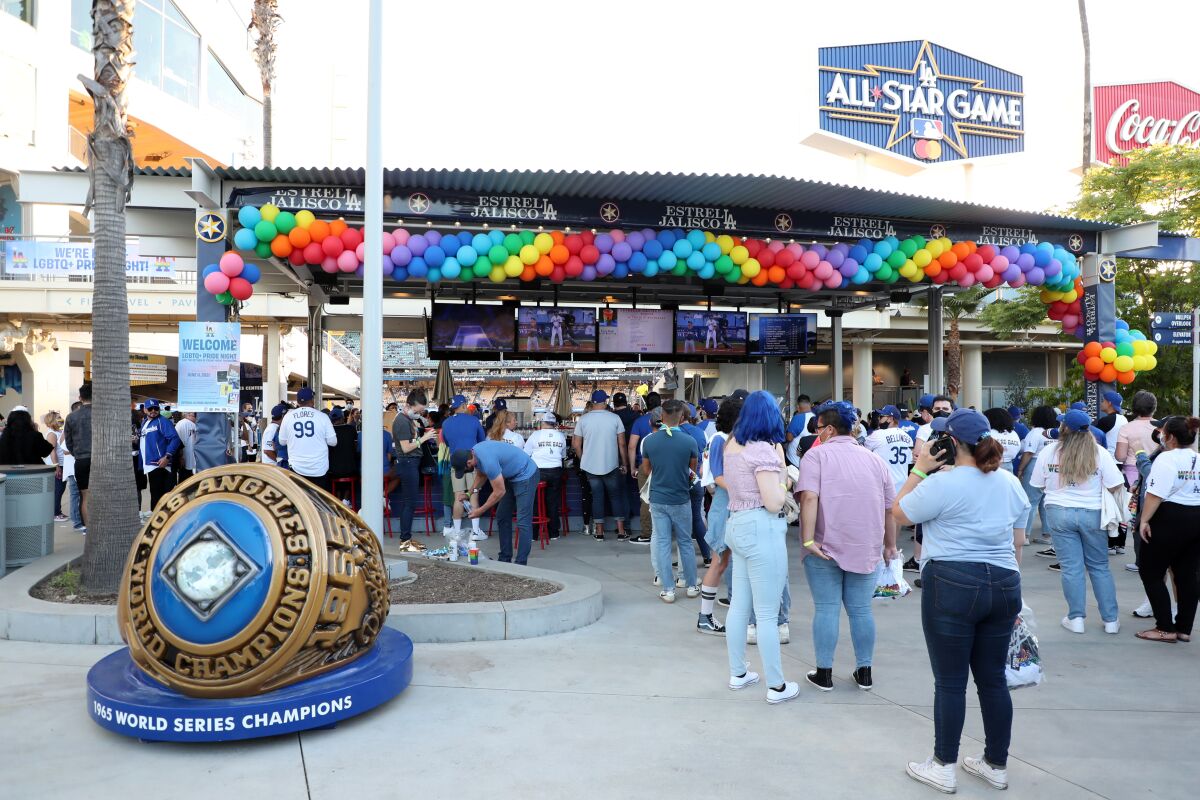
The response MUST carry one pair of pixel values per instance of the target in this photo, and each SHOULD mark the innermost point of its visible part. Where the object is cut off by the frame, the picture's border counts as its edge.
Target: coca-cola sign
(1133, 116)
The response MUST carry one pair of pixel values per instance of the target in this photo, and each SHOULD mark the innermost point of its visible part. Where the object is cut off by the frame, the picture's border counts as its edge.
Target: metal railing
(342, 353)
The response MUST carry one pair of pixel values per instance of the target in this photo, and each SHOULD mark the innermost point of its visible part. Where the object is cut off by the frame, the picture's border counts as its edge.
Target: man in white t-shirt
(268, 452)
(186, 429)
(599, 440)
(1111, 419)
(892, 444)
(308, 434)
(546, 447)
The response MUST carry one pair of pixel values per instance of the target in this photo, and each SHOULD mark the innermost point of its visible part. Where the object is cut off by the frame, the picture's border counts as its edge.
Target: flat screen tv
(710, 333)
(556, 330)
(783, 335)
(472, 328)
(635, 330)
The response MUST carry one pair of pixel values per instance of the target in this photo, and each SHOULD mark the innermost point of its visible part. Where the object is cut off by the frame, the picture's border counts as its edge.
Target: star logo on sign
(783, 222)
(876, 92)
(1075, 242)
(937, 231)
(210, 228)
(1108, 270)
(609, 212)
(418, 203)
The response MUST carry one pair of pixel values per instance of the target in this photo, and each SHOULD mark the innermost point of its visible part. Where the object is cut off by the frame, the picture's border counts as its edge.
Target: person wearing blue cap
(891, 444)
(599, 439)
(308, 434)
(272, 452)
(1074, 471)
(460, 431)
(708, 415)
(514, 477)
(970, 570)
(1112, 420)
(157, 444)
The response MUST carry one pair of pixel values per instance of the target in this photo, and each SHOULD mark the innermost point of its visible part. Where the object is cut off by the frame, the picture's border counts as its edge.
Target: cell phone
(944, 444)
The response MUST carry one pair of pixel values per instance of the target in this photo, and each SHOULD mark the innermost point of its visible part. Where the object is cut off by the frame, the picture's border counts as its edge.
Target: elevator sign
(921, 101)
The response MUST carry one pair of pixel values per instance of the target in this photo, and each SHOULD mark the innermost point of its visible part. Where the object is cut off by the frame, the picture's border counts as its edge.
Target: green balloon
(680, 268)
(895, 276)
(897, 258)
(497, 255)
(468, 274)
(908, 247)
(723, 264)
(734, 275)
(919, 241)
(263, 249)
(284, 222)
(1125, 349)
(885, 272)
(265, 231)
(513, 244)
(483, 267)
(225, 299)
(526, 237)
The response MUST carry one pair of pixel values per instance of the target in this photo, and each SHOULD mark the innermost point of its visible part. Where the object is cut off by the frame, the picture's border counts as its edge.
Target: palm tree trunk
(112, 519)
(266, 128)
(1087, 89)
(953, 360)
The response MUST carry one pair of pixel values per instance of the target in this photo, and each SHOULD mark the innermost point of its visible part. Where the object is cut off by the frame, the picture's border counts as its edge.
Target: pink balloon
(833, 281)
(775, 246)
(1017, 282)
(347, 261)
(360, 252)
(985, 273)
(795, 249)
(216, 282)
(999, 264)
(389, 242)
(329, 265)
(400, 235)
(617, 235)
(823, 270)
(1070, 322)
(231, 264)
(810, 259)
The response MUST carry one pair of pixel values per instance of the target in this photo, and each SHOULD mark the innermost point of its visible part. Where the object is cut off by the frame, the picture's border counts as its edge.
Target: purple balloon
(1035, 277)
(1013, 272)
(1080, 332)
(836, 257)
(1053, 268)
(417, 244)
(359, 271)
(401, 255)
(820, 250)
(847, 267)
(605, 264)
(1011, 253)
(1025, 262)
(399, 274)
(621, 251)
(635, 241)
(589, 273)
(604, 243)
(840, 247)
(432, 237)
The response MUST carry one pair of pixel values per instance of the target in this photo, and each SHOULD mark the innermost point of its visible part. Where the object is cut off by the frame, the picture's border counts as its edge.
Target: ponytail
(987, 454)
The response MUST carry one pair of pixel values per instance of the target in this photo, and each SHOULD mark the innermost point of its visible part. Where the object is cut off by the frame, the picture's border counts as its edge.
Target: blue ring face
(212, 573)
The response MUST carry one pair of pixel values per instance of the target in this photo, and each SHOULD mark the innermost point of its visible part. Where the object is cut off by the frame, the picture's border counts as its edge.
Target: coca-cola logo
(1127, 128)
(1137, 116)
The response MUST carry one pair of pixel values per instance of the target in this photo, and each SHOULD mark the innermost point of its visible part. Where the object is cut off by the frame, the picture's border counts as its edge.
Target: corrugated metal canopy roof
(747, 191)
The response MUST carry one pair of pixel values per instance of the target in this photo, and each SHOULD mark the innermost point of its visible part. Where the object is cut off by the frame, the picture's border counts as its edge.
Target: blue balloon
(696, 261)
(861, 276)
(249, 216)
(1042, 256)
(651, 269)
(873, 262)
(866, 244)
(496, 237)
(1122, 325)
(466, 256)
(211, 268)
(250, 272)
(859, 253)
(451, 269)
(712, 251)
(707, 271)
(449, 243)
(434, 256)
(1137, 335)
(696, 239)
(481, 243)
(399, 274)
(245, 239)
(638, 262)
(653, 248)
(1029, 247)
(418, 268)
(667, 260)
(667, 239)
(682, 248)
(883, 248)
(621, 270)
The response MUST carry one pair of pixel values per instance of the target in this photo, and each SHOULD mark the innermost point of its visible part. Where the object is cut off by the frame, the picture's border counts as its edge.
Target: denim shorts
(718, 516)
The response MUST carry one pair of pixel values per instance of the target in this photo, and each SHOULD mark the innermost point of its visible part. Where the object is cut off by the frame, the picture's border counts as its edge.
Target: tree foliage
(1023, 310)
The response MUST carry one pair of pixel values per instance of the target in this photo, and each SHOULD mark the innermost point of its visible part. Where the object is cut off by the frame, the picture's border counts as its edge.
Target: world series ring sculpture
(253, 603)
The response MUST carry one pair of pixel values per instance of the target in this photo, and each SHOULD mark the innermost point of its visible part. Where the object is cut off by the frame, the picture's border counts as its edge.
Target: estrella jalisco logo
(921, 101)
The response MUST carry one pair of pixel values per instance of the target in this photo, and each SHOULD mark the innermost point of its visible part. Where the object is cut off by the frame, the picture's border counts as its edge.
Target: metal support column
(863, 388)
(937, 346)
(270, 369)
(835, 323)
(316, 350)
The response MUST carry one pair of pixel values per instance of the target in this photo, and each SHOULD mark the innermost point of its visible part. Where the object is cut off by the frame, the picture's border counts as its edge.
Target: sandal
(1183, 637)
(1155, 635)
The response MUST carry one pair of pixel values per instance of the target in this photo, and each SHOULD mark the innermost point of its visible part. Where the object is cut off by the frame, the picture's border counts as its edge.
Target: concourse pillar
(971, 391)
(864, 384)
(835, 323)
(935, 367)
(270, 369)
(316, 351)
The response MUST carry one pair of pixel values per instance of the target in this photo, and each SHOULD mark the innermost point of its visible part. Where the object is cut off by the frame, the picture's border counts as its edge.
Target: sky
(696, 86)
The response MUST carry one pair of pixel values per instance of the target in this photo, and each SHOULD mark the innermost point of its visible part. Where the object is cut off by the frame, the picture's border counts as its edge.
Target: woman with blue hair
(756, 533)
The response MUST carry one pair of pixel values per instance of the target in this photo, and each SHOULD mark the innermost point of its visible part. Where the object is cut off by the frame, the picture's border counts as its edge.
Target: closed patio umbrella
(696, 391)
(443, 385)
(562, 404)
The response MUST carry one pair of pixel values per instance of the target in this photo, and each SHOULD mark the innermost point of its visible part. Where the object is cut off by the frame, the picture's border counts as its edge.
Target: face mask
(884, 424)
(937, 414)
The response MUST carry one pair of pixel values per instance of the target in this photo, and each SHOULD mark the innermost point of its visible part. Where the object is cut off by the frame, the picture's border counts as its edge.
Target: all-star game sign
(921, 101)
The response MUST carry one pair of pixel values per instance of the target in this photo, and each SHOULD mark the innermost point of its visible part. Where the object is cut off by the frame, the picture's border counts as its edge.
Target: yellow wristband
(810, 543)
(919, 474)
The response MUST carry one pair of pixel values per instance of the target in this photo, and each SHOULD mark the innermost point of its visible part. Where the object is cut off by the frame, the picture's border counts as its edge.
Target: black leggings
(1174, 544)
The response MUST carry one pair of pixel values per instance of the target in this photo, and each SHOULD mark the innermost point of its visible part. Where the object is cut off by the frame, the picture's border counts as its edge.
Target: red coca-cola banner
(1133, 116)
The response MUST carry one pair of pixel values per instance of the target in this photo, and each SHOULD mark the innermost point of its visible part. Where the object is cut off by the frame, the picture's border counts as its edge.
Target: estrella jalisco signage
(921, 101)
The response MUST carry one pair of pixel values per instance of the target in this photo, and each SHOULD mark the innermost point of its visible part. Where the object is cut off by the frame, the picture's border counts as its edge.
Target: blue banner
(26, 257)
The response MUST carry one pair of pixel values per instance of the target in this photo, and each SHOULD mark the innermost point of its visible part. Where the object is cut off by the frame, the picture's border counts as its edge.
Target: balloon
(240, 289)
(1151, 362)
(1151, 349)
(337, 226)
(544, 266)
(622, 251)
(528, 255)
(513, 266)
(1093, 364)
(216, 282)
(263, 249)
(304, 218)
(1123, 363)
(265, 231)
(466, 256)
(605, 264)
(231, 264)
(318, 230)
(251, 273)
(269, 211)
(921, 258)
(299, 237)
(285, 222)
(1124, 349)
(739, 254)
(589, 273)
(497, 254)
(249, 216)
(1139, 363)
(225, 299)
(1108, 354)
(296, 259)
(543, 242)
(347, 261)
(1092, 349)
(1070, 322)
(333, 246)
(589, 254)
(281, 246)
(1126, 378)
(513, 244)
(1108, 374)
(245, 239)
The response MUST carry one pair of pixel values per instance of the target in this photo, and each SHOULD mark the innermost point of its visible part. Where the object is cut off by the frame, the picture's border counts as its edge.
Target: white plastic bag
(1024, 665)
(889, 579)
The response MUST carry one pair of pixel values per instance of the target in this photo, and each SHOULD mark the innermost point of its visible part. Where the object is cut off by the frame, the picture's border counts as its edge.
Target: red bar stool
(541, 521)
(346, 482)
(426, 508)
(563, 511)
(387, 517)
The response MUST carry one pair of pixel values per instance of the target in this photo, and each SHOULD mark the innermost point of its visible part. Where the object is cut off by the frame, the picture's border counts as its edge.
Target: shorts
(464, 484)
(83, 471)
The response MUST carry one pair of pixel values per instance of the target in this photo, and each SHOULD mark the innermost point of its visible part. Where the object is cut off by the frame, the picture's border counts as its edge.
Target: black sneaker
(706, 624)
(911, 566)
(1047, 553)
(640, 540)
(821, 678)
(708, 562)
(862, 677)
(723, 601)
(917, 582)
(598, 536)
(1056, 567)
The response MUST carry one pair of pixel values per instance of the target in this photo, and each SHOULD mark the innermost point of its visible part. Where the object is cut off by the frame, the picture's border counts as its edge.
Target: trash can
(28, 513)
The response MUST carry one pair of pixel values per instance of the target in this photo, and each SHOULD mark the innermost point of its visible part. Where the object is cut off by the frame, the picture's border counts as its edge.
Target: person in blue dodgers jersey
(462, 430)
(514, 478)
(970, 570)
(308, 434)
(158, 443)
(891, 444)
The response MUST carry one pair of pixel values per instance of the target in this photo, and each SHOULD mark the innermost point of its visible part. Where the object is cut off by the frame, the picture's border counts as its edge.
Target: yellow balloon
(1123, 363)
(725, 242)
(1151, 349)
(917, 276)
(744, 279)
(1139, 347)
(922, 258)
(543, 242)
(739, 255)
(269, 212)
(751, 268)
(1151, 362)
(935, 247)
(513, 267)
(909, 269)
(1139, 362)
(946, 243)
(529, 255)
(1070, 296)
(1108, 355)
(497, 274)
(304, 218)
(709, 237)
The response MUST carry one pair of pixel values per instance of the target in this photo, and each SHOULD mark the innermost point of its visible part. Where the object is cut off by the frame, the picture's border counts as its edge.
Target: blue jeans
(519, 495)
(406, 496)
(967, 612)
(1036, 504)
(785, 601)
(612, 485)
(1081, 544)
(698, 527)
(832, 587)
(758, 541)
(76, 503)
(672, 522)
(718, 516)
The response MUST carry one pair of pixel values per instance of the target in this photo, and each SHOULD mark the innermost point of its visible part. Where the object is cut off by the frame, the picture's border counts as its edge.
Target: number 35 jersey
(307, 434)
(895, 447)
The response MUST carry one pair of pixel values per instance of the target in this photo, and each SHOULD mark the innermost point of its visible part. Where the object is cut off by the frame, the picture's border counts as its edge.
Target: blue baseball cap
(709, 406)
(845, 411)
(337, 415)
(150, 403)
(279, 410)
(1076, 420)
(305, 394)
(1015, 411)
(1079, 405)
(691, 410)
(599, 396)
(500, 405)
(964, 424)
(458, 401)
(926, 401)
(1114, 398)
(890, 411)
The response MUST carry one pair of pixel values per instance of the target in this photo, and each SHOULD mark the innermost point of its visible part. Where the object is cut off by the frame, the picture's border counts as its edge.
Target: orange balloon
(299, 237)
(529, 273)
(972, 247)
(1092, 349)
(1108, 374)
(760, 279)
(933, 268)
(559, 254)
(947, 259)
(318, 230)
(337, 226)
(544, 266)
(776, 274)
(1126, 378)
(1093, 364)
(961, 250)
(558, 238)
(281, 247)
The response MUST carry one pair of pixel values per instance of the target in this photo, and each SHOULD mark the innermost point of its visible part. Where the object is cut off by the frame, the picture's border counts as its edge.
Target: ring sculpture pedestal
(253, 604)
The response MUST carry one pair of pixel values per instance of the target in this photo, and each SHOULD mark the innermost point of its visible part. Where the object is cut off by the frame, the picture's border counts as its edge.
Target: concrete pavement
(636, 706)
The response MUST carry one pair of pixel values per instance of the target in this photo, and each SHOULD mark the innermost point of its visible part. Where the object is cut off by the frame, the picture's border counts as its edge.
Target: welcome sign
(921, 101)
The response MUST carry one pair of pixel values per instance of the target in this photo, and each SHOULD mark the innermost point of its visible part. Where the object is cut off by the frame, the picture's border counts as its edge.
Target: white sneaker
(785, 633)
(931, 773)
(656, 580)
(1144, 610)
(693, 591)
(749, 679)
(680, 583)
(790, 690)
(998, 778)
(1113, 627)
(1073, 625)
(478, 536)
(751, 634)
(667, 596)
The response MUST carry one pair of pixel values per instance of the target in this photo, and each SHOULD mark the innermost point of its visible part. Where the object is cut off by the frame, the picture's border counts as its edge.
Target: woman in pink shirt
(1135, 435)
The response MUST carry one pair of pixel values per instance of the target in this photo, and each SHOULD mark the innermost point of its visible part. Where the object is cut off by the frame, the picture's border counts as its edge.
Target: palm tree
(1087, 88)
(956, 307)
(113, 517)
(264, 21)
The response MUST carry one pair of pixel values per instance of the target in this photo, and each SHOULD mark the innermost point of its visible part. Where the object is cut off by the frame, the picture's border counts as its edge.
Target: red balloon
(785, 258)
(313, 254)
(796, 271)
(941, 277)
(973, 262)
(787, 284)
(589, 254)
(1091, 376)
(351, 238)
(559, 275)
(587, 236)
(573, 267)
(994, 281)
(753, 246)
(1057, 307)
(986, 253)
(332, 246)
(766, 257)
(1107, 344)
(240, 288)
(573, 243)
(958, 271)
(296, 257)
(1081, 357)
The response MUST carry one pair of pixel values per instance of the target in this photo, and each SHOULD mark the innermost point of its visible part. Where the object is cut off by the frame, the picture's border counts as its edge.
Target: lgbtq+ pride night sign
(921, 101)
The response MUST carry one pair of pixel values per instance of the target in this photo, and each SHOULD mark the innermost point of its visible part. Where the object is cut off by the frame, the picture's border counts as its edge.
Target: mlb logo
(927, 129)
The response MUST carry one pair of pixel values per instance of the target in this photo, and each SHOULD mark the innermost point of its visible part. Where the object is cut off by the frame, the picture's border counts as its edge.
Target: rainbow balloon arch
(434, 256)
